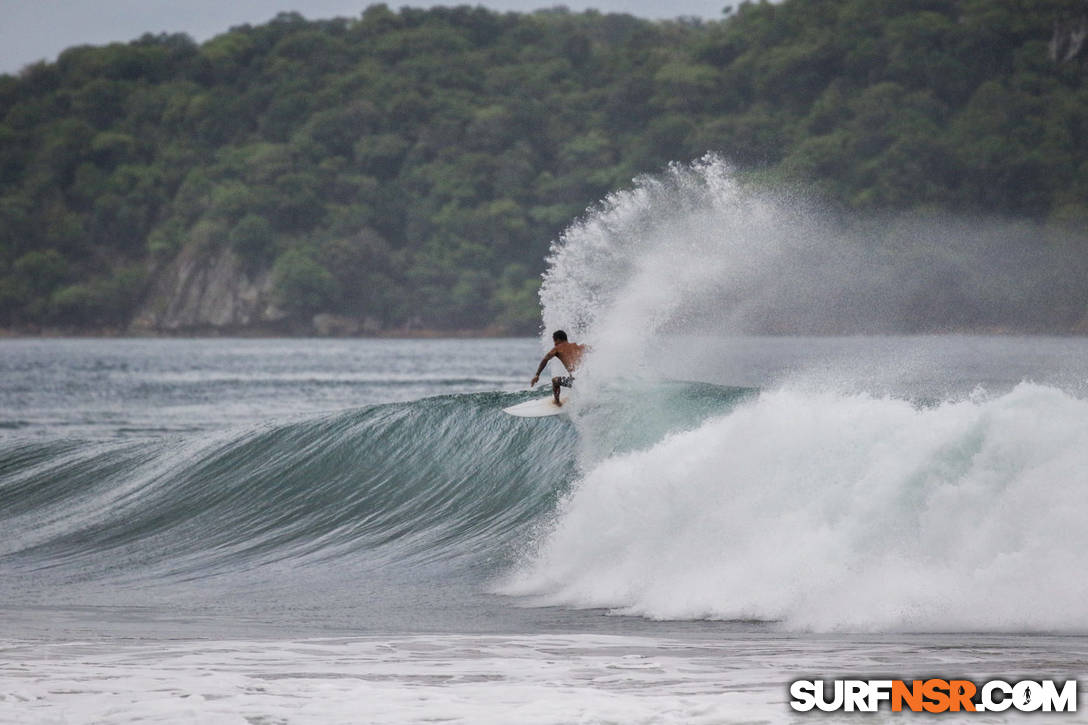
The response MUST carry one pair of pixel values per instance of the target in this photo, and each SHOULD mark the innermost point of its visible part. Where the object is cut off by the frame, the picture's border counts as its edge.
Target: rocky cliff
(201, 292)
(1068, 41)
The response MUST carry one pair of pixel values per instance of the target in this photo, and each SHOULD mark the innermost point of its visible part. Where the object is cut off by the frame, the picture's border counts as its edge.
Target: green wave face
(400, 486)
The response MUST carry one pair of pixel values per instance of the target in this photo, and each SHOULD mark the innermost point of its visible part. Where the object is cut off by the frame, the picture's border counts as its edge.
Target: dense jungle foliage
(412, 167)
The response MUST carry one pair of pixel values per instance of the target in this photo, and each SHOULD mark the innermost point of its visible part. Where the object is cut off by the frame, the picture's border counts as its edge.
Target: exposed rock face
(1068, 41)
(201, 291)
(327, 325)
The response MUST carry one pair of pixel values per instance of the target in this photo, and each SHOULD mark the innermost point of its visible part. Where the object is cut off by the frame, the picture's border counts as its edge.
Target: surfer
(570, 354)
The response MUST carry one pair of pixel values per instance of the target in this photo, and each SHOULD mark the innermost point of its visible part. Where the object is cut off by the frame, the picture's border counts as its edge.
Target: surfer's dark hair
(559, 336)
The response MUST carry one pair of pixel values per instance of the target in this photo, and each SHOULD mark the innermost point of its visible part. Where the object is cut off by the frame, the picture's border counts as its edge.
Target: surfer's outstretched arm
(540, 368)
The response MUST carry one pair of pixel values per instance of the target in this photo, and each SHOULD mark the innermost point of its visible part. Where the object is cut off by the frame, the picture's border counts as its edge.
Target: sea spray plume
(698, 255)
(696, 250)
(673, 251)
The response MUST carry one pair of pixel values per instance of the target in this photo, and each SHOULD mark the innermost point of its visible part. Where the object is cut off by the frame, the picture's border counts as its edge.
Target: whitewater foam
(829, 511)
(828, 502)
(538, 679)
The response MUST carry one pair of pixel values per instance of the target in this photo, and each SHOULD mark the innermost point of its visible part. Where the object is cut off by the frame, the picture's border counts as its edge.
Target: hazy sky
(32, 30)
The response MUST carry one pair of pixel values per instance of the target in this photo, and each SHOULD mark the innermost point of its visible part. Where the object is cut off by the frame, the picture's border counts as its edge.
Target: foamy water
(827, 512)
(537, 679)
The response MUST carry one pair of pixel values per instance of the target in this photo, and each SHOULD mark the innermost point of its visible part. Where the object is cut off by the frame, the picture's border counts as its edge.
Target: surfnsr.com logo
(933, 695)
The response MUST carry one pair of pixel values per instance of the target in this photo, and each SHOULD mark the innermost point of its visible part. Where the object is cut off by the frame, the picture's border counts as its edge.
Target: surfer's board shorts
(566, 381)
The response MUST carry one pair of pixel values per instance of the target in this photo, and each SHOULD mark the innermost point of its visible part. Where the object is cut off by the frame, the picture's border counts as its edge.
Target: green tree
(252, 238)
(302, 285)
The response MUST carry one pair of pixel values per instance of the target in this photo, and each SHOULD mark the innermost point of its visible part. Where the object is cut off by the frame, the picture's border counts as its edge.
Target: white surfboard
(540, 407)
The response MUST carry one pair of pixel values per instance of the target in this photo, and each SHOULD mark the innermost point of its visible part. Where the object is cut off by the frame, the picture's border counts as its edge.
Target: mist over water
(697, 250)
(851, 494)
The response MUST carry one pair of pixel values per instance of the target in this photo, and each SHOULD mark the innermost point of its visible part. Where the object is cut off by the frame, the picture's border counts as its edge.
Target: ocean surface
(351, 531)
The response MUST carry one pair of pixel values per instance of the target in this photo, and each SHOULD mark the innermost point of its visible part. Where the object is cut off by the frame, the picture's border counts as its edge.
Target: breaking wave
(819, 507)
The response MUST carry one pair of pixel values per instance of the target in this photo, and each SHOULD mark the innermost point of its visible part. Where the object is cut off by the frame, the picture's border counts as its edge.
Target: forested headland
(407, 170)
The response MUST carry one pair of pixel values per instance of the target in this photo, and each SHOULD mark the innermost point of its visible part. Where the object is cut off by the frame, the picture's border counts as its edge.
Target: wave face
(444, 477)
(447, 479)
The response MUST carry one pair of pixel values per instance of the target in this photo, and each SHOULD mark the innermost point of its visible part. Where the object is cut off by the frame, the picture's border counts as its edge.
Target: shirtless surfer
(570, 354)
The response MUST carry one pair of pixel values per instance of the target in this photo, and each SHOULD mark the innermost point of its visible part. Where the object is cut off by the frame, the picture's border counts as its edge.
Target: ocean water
(314, 531)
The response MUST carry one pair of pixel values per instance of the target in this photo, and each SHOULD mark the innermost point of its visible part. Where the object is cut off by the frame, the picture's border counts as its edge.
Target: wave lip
(826, 511)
